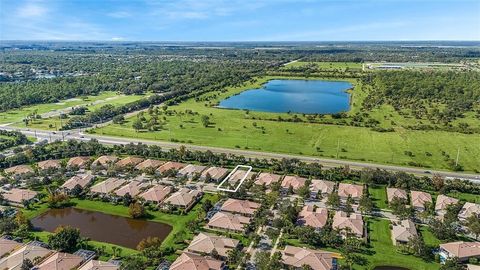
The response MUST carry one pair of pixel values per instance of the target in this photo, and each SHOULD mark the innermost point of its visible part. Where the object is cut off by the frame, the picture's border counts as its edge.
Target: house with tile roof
(315, 217)
(297, 257)
(229, 222)
(396, 193)
(107, 186)
(156, 194)
(267, 179)
(192, 261)
(207, 244)
(184, 198)
(60, 261)
(345, 223)
(403, 231)
(242, 207)
(350, 190)
(78, 162)
(419, 199)
(469, 209)
(295, 182)
(216, 174)
(461, 250)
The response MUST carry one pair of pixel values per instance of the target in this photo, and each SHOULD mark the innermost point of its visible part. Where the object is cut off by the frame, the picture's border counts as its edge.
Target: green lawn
(55, 123)
(378, 194)
(13, 116)
(258, 131)
(385, 252)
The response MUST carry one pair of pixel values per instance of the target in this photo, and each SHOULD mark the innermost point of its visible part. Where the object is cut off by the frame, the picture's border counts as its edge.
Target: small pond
(297, 96)
(102, 227)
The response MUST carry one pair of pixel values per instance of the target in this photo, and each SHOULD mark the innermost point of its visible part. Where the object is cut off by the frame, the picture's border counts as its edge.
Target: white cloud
(119, 14)
(32, 9)
(118, 39)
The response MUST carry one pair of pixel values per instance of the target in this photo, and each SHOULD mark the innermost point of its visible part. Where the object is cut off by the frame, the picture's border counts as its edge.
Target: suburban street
(78, 134)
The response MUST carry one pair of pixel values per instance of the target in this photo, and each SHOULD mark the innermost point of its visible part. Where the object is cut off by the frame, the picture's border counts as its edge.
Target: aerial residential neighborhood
(239, 135)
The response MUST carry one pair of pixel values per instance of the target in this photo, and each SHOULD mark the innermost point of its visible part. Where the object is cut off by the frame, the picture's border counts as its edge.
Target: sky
(239, 20)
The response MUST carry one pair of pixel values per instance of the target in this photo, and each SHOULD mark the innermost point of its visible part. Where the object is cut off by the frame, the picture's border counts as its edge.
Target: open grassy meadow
(263, 132)
(55, 123)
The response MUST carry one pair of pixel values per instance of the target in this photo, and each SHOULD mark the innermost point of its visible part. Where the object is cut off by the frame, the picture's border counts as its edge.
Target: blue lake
(297, 96)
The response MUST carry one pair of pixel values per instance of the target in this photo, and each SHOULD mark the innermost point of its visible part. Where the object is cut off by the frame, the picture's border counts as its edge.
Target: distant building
(321, 186)
(352, 224)
(128, 162)
(82, 180)
(17, 196)
(191, 261)
(442, 203)
(297, 257)
(103, 162)
(314, 218)
(267, 179)
(49, 165)
(402, 231)
(396, 193)
(461, 250)
(78, 162)
(216, 174)
(19, 170)
(469, 209)
(107, 186)
(60, 261)
(206, 244)
(242, 207)
(419, 199)
(184, 198)
(170, 166)
(190, 171)
(295, 182)
(350, 190)
(156, 194)
(149, 164)
(229, 222)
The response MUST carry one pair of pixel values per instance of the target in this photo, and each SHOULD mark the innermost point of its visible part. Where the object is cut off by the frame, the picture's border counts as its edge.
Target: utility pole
(338, 146)
(458, 155)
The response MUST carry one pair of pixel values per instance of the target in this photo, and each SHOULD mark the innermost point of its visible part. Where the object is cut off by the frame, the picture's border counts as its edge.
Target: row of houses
(13, 254)
(234, 216)
(419, 199)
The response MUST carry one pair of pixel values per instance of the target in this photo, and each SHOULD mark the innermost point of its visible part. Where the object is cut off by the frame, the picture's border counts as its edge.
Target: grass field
(259, 131)
(55, 123)
(379, 196)
(342, 66)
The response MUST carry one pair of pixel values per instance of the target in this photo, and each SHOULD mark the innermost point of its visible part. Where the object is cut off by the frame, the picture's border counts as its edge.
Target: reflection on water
(102, 227)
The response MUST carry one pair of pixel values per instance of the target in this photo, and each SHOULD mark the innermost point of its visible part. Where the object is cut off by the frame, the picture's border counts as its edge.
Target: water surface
(102, 227)
(299, 96)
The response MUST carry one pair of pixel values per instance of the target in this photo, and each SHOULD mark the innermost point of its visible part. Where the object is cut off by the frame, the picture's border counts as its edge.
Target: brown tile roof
(82, 180)
(396, 193)
(80, 162)
(462, 249)
(49, 164)
(133, 188)
(403, 230)
(316, 219)
(419, 198)
(240, 206)
(7, 246)
(295, 181)
(149, 164)
(104, 161)
(170, 166)
(323, 186)
(183, 197)
(341, 222)
(216, 173)
(15, 259)
(227, 221)
(156, 194)
(298, 257)
(191, 170)
(206, 243)
(108, 185)
(238, 175)
(191, 261)
(17, 195)
(98, 265)
(129, 161)
(469, 209)
(444, 201)
(60, 261)
(20, 169)
(345, 190)
(267, 179)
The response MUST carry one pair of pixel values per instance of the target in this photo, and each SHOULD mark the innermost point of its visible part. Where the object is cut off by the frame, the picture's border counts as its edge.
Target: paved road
(79, 135)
